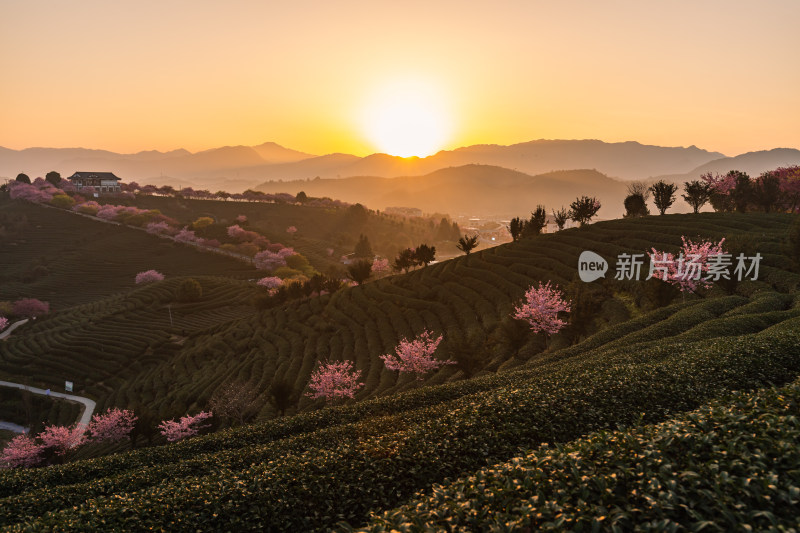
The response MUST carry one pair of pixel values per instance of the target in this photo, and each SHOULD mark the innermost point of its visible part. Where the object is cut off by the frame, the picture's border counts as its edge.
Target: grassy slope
(318, 229)
(88, 260)
(375, 454)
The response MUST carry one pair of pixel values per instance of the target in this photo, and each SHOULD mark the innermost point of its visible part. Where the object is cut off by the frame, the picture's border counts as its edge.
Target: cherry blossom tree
(334, 380)
(115, 424)
(291, 230)
(187, 426)
(380, 265)
(690, 270)
(60, 438)
(241, 219)
(269, 260)
(30, 307)
(540, 308)
(148, 276)
(186, 235)
(3, 323)
(22, 451)
(270, 282)
(160, 227)
(415, 356)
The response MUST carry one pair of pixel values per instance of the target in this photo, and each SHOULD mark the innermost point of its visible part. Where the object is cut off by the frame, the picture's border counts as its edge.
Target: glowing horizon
(130, 77)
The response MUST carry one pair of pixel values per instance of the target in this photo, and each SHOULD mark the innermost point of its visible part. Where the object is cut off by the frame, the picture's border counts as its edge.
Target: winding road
(88, 405)
(12, 327)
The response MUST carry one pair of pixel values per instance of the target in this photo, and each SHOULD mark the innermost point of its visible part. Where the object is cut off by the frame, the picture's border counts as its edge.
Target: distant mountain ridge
(235, 168)
(469, 190)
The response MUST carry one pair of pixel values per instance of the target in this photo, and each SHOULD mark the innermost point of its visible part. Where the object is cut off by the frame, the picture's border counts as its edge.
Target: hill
(752, 163)
(472, 190)
(245, 167)
(69, 260)
(632, 362)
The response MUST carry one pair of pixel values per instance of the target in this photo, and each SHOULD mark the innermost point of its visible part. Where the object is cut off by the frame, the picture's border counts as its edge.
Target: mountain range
(495, 177)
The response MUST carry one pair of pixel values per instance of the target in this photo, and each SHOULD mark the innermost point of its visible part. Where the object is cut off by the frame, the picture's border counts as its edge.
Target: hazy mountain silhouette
(468, 190)
(269, 161)
(753, 163)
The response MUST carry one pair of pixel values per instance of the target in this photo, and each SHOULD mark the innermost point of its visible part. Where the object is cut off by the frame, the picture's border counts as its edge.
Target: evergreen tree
(635, 206)
(697, 194)
(534, 225)
(466, 243)
(663, 195)
(363, 247)
(515, 228)
(425, 254)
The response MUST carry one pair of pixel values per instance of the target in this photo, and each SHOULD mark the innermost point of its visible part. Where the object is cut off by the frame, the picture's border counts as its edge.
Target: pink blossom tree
(541, 307)
(22, 451)
(380, 265)
(690, 270)
(241, 219)
(186, 235)
(115, 424)
(30, 307)
(269, 260)
(415, 356)
(270, 282)
(334, 380)
(3, 323)
(109, 212)
(187, 426)
(61, 439)
(158, 228)
(148, 276)
(291, 230)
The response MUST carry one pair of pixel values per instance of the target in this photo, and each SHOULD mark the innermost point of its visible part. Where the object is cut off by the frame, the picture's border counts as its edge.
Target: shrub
(189, 290)
(148, 276)
(62, 201)
(30, 308)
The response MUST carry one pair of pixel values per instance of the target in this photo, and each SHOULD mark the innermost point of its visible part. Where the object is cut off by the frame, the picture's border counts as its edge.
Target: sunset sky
(367, 76)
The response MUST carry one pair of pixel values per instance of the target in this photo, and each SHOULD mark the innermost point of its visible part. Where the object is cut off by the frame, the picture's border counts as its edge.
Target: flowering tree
(291, 230)
(148, 276)
(540, 308)
(108, 212)
(380, 265)
(334, 380)
(415, 356)
(270, 282)
(241, 219)
(187, 426)
(30, 307)
(583, 209)
(115, 424)
(22, 451)
(3, 323)
(60, 439)
(269, 260)
(186, 235)
(691, 269)
(30, 193)
(160, 227)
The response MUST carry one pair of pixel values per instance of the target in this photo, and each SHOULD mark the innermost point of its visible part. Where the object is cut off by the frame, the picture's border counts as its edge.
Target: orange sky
(129, 76)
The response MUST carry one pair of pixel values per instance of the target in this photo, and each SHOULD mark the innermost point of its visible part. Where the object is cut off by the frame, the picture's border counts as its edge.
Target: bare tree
(639, 187)
(237, 401)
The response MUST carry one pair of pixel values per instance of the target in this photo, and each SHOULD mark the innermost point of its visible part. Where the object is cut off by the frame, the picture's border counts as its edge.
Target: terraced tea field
(68, 260)
(323, 467)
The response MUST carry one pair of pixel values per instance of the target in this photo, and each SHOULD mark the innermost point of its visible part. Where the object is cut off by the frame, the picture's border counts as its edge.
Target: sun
(407, 119)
